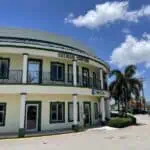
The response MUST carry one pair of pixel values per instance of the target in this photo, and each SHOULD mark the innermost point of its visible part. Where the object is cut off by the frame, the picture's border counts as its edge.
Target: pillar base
(21, 132)
(75, 127)
(103, 123)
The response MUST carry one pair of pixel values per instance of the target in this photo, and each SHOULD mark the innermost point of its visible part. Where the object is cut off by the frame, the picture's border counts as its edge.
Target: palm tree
(115, 93)
(125, 85)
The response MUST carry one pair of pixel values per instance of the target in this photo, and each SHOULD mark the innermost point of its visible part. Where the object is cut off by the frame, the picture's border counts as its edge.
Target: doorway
(33, 117)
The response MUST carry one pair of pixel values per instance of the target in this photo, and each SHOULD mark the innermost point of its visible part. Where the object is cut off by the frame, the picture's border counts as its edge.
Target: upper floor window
(2, 113)
(105, 80)
(57, 71)
(85, 77)
(70, 73)
(4, 68)
(34, 71)
(94, 79)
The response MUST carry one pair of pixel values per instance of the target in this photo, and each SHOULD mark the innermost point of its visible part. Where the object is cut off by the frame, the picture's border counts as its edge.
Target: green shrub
(76, 128)
(119, 122)
(132, 118)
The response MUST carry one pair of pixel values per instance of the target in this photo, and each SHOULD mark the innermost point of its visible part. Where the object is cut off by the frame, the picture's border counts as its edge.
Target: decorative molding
(75, 94)
(23, 93)
(25, 54)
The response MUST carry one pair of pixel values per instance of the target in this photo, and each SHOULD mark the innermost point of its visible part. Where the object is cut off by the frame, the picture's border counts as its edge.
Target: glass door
(32, 117)
(34, 71)
(87, 113)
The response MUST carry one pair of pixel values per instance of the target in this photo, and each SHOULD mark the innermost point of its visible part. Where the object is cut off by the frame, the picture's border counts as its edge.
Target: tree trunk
(118, 105)
(125, 102)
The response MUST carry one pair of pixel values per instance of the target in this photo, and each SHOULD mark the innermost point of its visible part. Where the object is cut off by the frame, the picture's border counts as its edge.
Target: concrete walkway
(130, 138)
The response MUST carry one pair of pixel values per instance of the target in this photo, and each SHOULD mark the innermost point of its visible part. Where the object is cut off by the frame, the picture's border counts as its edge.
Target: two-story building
(49, 82)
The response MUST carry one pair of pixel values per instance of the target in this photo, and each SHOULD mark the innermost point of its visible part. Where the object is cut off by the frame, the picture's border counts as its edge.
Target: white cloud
(140, 74)
(132, 51)
(108, 12)
(126, 30)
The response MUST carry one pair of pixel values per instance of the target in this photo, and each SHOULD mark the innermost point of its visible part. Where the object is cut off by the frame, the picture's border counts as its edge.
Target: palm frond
(130, 71)
(136, 82)
(116, 73)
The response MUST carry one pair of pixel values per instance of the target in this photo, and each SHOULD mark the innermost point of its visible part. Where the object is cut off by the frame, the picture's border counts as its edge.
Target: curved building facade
(49, 82)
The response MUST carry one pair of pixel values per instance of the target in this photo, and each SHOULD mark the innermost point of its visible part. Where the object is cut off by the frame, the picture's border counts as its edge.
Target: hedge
(132, 118)
(120, 122)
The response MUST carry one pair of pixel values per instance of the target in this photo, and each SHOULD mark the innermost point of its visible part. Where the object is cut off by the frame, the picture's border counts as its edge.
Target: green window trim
(71, 103)
(96, 116)
(4, 113)
(63, 112)
(63, 73)
(5, 76)
(85, 77)
(40, 62)
(70, 73)
(39, 112)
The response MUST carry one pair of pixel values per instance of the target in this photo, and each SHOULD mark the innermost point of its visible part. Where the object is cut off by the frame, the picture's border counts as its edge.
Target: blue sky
(118, 31)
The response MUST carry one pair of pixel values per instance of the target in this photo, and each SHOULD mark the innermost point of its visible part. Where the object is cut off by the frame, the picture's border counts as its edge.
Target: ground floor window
(2, 113)
(57, 112)
(70, 111)
(96, 111)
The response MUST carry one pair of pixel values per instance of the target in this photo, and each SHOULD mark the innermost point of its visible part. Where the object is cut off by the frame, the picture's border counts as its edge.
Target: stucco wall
(13, 109)
(12, 113)
(16, 63)
(35, 53)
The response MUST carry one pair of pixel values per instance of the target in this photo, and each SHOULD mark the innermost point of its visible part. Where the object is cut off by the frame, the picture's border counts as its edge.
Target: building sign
(71, 56)
(100, 93)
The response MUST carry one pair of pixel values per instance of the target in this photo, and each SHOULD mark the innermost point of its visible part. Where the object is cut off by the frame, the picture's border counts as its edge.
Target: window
(70, 111)
(34, 71)
(105, 80)
(94, 79)
(85, 77)
(70, 73)
(2, 113)
(57, 112)
(96, 110)
(57, 71)
(4, 68)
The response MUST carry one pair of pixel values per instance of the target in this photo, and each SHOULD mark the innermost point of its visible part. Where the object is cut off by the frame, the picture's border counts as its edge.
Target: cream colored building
(49, 82)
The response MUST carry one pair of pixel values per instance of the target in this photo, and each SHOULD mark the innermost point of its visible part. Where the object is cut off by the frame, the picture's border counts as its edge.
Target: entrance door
(85, 77)
(34, 71)
(87, 113)
(32, 116)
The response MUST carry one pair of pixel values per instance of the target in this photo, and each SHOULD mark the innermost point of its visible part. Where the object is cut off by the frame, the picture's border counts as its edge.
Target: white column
(101, 78)
(66, 73)
(103, 108)
(75, 113)
(108, 109)
(25, 66)
(75, 71)
(22, 110)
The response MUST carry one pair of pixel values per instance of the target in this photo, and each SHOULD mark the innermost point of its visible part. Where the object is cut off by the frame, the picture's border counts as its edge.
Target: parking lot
(131, 138)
